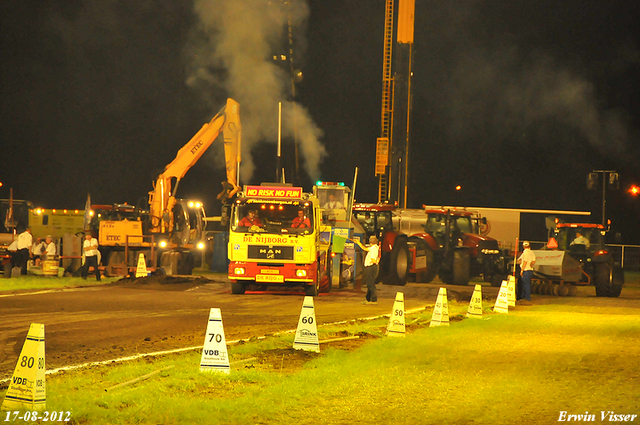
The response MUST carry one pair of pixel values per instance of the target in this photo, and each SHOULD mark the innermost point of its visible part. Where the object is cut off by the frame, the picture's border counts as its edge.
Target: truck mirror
(592, 181)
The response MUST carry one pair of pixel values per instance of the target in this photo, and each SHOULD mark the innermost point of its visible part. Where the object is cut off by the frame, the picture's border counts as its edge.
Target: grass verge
(524, 367)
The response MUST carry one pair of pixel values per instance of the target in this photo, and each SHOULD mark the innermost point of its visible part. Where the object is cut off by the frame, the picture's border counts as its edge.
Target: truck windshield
(279, 218)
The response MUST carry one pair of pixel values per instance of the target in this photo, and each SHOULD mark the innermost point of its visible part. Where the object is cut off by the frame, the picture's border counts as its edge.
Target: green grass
(524, 367)
(32, 283)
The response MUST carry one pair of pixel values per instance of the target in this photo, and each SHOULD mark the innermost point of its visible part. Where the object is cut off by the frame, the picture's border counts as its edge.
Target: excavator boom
(162, 198)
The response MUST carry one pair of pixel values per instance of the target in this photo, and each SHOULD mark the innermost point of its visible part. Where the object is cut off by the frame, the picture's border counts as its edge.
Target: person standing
(25, 241)
(371, 261)
(90, 249)
(527, 260)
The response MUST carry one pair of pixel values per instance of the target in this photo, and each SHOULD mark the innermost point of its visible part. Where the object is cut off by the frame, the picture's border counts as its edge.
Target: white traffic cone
(141, 270)
(502, 303)
(307, 331)
(396, 326)
(215, 357)
(440, 316)
(475, 305)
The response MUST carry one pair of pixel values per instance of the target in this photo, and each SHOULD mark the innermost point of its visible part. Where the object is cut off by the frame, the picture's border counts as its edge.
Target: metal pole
(604, 201)
(279, 165)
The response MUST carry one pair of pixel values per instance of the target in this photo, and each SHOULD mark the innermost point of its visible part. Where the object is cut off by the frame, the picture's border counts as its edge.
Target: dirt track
(147, 315)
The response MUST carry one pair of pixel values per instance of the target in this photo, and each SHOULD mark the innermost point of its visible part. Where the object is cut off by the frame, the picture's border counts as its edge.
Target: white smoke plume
(231, 53)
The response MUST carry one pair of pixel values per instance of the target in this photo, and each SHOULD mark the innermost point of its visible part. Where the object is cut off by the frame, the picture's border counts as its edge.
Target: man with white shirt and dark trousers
(90, 249)
(371, 269)
(25, 242)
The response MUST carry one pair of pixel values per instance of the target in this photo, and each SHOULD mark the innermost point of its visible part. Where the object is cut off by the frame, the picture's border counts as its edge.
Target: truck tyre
(312, 289)
(461, 267)
(324, 281)
(398, 266)
(238, 287)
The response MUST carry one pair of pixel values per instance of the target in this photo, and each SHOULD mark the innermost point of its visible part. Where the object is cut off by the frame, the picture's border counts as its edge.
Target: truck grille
(266, 252)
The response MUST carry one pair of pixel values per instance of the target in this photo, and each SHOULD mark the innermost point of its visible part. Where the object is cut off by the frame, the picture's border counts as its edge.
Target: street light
(613, 182)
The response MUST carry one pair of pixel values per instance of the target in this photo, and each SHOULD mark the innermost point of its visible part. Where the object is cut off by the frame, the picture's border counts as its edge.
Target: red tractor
(582, 248)
(402, 254)
(458, 251)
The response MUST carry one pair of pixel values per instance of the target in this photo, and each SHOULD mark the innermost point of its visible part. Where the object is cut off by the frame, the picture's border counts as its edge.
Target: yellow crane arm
(162, 198)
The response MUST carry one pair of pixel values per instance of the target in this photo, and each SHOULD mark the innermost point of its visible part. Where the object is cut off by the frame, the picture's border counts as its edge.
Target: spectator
(50, 249)
(36, 251)
(25, 241)
(90, 249)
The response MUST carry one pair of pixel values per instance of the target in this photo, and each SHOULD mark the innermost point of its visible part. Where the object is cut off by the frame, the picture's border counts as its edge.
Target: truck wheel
(312, 290)
(461, 267)
(398, 263)
(324, 281)
(238, 287)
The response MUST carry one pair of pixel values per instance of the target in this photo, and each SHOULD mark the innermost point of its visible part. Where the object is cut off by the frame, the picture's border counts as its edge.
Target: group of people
(24, 249)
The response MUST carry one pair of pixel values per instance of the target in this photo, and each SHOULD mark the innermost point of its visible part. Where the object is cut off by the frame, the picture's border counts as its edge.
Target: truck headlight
(238, 270)
(200, 245)
(162, 244)
(301, 273)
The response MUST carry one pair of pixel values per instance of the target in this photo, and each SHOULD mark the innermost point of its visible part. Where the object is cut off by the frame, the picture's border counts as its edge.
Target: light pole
(614, 183)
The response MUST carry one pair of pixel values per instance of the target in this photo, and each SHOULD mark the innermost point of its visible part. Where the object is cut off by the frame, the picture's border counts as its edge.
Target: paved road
(147, 315)
(131, 317)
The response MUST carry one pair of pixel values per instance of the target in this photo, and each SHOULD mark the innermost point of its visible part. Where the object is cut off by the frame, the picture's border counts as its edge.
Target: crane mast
(392, 146)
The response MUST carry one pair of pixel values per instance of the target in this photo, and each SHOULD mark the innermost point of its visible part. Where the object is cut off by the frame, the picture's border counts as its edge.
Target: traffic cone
(215, 357)
(396, 325)
(307, 332)
(440, 316)
(475, 305)
(141, 270)
(502, 303)
(27, 389)
(511, 291)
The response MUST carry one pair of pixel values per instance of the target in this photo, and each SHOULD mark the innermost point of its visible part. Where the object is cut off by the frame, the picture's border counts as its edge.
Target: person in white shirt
(90, 249)
(580, 240)
(50, 248)
(333, 203)
(25, 241)
(526, 261)
(371, 261)
(36, 251)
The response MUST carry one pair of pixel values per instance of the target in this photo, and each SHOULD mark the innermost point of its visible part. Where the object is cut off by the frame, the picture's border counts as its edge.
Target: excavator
(172, 228)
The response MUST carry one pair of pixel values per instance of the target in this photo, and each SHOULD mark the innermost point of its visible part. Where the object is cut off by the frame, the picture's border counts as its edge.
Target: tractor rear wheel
(398, 266)
(461, 267)
(603, 278)
(428, 275)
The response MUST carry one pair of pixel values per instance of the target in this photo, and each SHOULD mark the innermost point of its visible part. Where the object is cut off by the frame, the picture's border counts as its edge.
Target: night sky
(516, 101)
